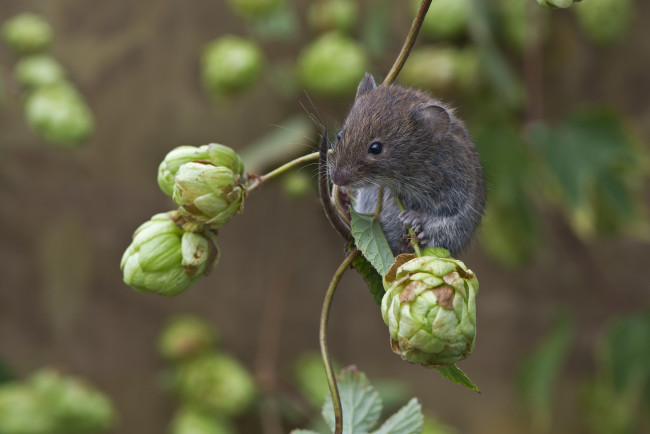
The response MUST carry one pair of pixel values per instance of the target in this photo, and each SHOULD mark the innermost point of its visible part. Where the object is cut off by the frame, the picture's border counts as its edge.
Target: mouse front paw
(415, 220)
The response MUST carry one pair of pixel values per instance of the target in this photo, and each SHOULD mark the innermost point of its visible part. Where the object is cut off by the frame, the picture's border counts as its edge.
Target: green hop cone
(442, 68)
(163, 259)
(207, 194)
(219, 155)
(22, 411)
(190, 420)
(605, 21)
(216, 382)
(27, 33)
(253, 9)
(341, 15)
(59, 114)
(184, 337)
(446, 19)
(38, 70)
(319, 65)
(556, 3)
(230, 64)
(76, 407)
(430, 308)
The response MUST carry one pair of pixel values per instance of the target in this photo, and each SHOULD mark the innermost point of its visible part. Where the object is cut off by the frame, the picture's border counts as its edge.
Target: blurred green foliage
(54, 108)
(50, 403)
(540, 371)
(615, 399)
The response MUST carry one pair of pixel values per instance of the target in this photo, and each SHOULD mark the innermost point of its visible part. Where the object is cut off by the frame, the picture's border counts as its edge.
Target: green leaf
(371, 241)
(597, 169)
(624, 355)
(454, 374)
(409, 419)
(539, 372)
(370, 275)
(360, 402)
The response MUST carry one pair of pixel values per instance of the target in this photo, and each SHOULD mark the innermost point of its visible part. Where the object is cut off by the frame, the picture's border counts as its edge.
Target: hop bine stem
(327, 361)
(259, 180)
(408, 43)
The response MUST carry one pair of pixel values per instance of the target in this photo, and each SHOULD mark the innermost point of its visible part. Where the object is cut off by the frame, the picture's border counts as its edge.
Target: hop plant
(216, 382)
(341, 15)
(191, 420)
(77, 408)
(230, 64)
(27, 33)
(184, 337)
(429, 307)
(219, 155)
(207, 194)
(557, 3)
(59, 114)
(254, 9)
(163, 258)
(446, 19)
(49, 402)
(319, 65)
(605, 21)
(38, 70)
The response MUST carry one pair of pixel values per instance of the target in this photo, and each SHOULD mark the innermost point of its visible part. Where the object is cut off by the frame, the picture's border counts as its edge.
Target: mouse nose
(341, 176)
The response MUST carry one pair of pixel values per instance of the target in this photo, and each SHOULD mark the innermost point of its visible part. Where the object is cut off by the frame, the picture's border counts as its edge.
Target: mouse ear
(433, 118)
(368, 83)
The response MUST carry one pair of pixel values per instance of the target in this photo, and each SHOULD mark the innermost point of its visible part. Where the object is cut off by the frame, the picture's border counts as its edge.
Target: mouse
(414, 146)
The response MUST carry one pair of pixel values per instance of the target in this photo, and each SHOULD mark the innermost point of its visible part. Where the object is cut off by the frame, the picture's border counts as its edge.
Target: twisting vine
(342, 228)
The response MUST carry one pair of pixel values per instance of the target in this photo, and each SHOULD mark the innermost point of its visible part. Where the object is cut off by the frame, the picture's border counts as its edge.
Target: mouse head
(388, 136)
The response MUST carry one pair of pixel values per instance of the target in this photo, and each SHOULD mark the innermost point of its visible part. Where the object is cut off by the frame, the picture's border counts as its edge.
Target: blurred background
(93, 96)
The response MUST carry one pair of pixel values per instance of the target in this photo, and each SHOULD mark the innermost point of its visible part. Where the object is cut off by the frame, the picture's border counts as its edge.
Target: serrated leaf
(540, 370)
(370, 239)
(371, 276)
(360, 402)
(454, 374)
(408, 420)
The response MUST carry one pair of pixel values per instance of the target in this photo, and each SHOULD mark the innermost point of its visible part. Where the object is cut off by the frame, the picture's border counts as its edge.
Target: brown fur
(427, 159)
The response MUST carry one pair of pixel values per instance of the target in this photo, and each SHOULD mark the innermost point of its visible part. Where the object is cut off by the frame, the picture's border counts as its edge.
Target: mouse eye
(375, 148)
(339, 135)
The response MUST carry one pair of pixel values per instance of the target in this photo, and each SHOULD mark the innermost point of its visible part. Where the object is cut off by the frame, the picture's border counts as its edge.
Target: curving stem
(327, 361)
(408, 43)
(259, 180)
(324, 191)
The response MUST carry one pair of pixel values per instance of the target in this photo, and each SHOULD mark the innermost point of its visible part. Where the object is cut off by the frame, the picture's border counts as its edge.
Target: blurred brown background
(66, 216)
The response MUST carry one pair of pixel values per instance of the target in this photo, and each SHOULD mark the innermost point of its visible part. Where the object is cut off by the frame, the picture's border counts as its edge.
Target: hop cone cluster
(430, 308)
(172, 250)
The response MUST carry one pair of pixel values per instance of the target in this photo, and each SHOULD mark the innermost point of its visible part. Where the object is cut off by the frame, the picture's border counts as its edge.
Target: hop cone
(163, 258)
(219, 155)
(216, 382)
(208, 194)
(27, 33)
(184, 337)
(430, 308)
